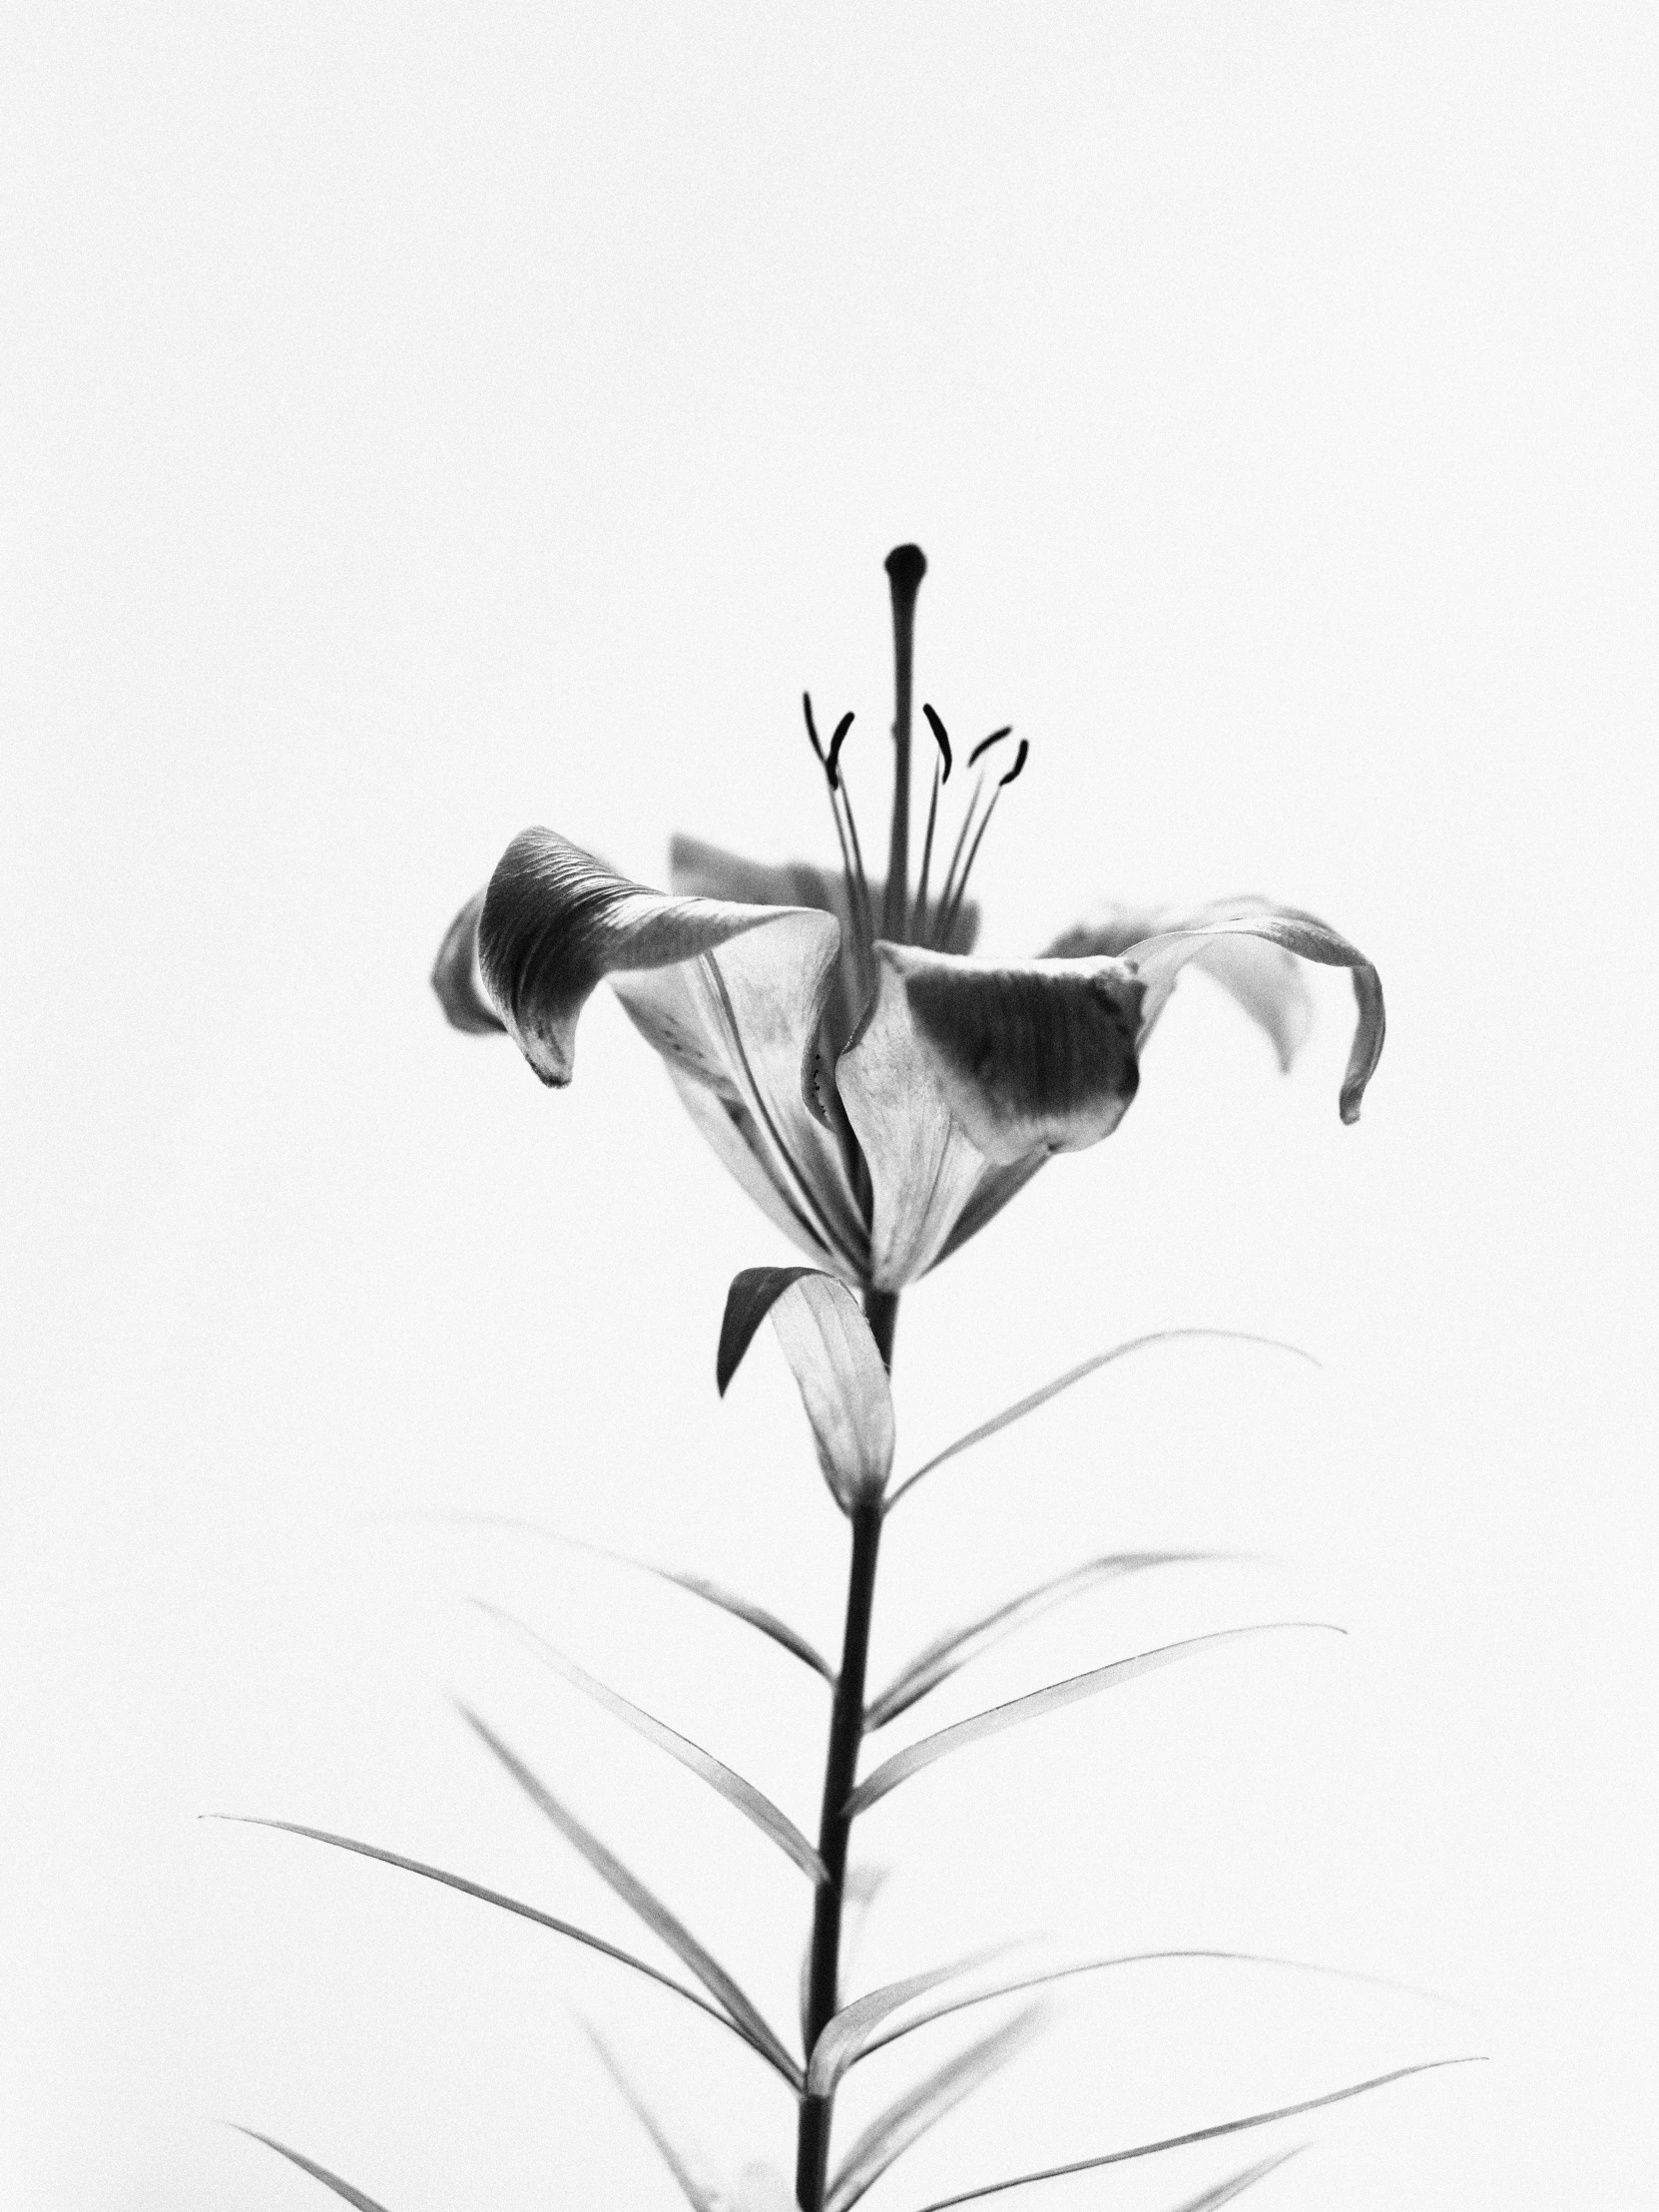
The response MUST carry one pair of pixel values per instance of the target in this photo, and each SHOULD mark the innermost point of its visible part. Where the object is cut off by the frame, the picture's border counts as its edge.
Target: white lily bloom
(877, 1090)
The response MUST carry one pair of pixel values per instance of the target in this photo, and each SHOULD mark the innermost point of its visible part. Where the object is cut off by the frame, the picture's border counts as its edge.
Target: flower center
(925, 919)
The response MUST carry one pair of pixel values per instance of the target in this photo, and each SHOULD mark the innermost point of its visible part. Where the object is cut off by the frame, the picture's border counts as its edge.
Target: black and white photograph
(831, 1269)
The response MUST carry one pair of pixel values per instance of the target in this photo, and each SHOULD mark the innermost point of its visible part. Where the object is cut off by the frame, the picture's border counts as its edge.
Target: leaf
(1035, 1703)
(650, 1908)
(1044, 1977)
(890, 2134)
(847, 2034)
(1198, 2135)
(712, 1593)
(752, 1293)
(309, 2166)
(940, 1659)
(491, 1896)
(1064, 1381)
(702, 2195)
(753, 1804)
(1223, 2192)
(838, 1367)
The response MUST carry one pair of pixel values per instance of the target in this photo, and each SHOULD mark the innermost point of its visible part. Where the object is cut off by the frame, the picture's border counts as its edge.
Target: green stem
(840, 1773)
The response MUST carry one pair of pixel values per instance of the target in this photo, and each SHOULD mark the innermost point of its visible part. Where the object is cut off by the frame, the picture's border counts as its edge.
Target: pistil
(907, 565)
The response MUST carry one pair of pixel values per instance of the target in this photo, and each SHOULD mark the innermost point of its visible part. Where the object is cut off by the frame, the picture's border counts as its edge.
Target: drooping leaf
(910, 2118)
(940, 1659)
(699, 1585)
(750, 1298)
(838, 1367)
(1224, 2192)
(753, 1804)
(1035, 1703)
(651, 1910)
(699, 2192)
(471, 1888)
(1011, 1984)
(847, 2035)
(309, 2166)
(1197, 2135)
(1011, 1413)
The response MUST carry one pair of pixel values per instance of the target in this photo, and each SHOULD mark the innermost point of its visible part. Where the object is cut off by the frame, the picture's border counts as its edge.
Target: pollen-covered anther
(1020, 758)
(942, 739)
(837, 740)
(996, 736)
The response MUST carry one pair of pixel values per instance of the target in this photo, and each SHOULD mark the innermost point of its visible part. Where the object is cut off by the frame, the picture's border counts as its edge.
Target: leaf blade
(846, 2033)
(738, 1792)
(343, 2189)
(698, 2193)
(498, 1898)
(1044, 1977)
(921, 2107)
(1029, 1404)
(643, 1903)
(1053, 1698)
(957, 1647)
(698, 1585)
(1224, 2192)
(1195, 2135)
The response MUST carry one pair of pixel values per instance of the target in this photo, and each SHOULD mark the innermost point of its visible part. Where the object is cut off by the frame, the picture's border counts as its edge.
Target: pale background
(421, 422)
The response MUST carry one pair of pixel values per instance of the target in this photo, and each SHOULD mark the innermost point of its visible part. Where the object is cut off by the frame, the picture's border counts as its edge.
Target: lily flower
(881, 1092)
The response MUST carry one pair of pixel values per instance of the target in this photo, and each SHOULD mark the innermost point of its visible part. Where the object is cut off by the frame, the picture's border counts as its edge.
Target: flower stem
(840, 1772)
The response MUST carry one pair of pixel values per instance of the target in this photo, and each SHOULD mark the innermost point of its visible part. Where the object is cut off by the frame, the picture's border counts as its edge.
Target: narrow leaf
(940, 1659)
(310, 2166)
(1223, 2192)
(650, 1908)
(848, 2033)
(1035, 1703)
(1007, 1985)
(702, 2195)
(1198, 2135)
(837, 1365)
(1064, 1381)
(753, 1804)
(712, 1593)
(921, 2108)
(492, 1897)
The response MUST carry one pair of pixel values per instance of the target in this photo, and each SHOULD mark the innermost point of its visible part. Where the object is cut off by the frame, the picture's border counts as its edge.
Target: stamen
(811, 726)
(940, 738)
(836, 744)
(948, 917)
(996, 736)
(918, 913)
(858, 884)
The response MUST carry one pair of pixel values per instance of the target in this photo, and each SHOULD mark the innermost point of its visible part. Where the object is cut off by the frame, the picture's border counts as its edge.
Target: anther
(940, 739)
(836, 744)
(811, 726)
(996, 736)
(1020, 763)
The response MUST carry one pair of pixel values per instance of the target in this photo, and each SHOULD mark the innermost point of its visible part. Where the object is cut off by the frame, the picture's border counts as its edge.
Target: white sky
(421, 422)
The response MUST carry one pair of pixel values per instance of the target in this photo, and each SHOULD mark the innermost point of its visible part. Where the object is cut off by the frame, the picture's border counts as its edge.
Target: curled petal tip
(456, 978)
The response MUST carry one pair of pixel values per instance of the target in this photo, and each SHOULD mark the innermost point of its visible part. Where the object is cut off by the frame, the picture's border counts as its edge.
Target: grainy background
(424, 422)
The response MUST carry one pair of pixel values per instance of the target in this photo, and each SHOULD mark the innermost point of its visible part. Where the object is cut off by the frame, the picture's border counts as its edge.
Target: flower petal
(1158, 959)
(923, 1169)
(455, 976)
(730, 995)
(1265, 979)
(837, 1365)
(1037, 1057)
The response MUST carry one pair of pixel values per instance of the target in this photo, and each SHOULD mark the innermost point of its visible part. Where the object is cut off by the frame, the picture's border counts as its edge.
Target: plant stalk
(840, 1773)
